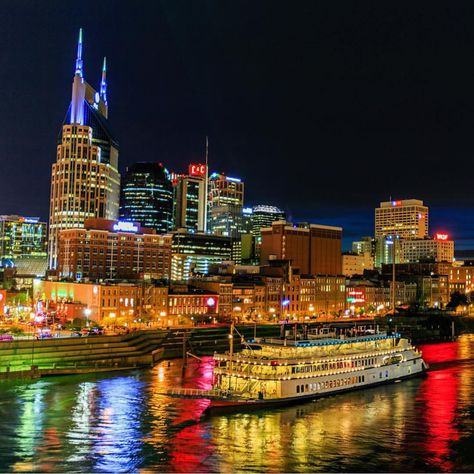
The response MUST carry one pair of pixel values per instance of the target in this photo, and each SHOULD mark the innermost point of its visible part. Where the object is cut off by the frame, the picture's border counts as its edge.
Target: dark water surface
(119, 423)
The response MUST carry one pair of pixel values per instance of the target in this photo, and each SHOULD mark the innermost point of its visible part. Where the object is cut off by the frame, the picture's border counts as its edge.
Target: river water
(120, 423)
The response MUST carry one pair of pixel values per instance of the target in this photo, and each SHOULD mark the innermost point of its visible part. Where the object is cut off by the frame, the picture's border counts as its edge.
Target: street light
(87, 312)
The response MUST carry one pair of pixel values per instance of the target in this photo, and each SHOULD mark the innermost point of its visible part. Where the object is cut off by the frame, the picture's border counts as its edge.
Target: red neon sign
(197, 169)
(442, 236)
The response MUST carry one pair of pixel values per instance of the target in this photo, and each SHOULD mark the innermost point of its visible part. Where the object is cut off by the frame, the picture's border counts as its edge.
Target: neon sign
(441, 236)
(197, 170)
(125, 227)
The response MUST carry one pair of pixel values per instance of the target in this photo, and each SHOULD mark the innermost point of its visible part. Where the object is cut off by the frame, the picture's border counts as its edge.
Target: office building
(407, 219)
(85, 182)
(366, 245)
(190, 199)
(314, 249)
(106, 249)
(264, 216)
(436, 249)
(225, 191)
(354, 264)
(147, 196)
(194, 253)
(22, 237)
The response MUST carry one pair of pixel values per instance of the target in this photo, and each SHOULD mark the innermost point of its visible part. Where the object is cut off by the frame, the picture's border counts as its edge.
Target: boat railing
(197, 393)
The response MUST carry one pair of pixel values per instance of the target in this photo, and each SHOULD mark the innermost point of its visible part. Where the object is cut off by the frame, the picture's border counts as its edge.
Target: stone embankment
(72, 355)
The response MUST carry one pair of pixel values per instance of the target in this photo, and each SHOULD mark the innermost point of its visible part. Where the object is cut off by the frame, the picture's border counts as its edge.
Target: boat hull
(223, 406)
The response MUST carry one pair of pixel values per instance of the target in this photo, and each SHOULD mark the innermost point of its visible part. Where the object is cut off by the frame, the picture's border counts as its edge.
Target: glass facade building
(22, 237)
(193, 253)
(147, 196)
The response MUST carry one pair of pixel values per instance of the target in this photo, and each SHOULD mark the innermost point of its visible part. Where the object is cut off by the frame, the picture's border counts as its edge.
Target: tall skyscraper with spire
(85, 182)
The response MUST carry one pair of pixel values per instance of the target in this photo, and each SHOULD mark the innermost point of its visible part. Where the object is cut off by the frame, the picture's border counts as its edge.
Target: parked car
(44, 334)
(76, 334)
(6, 337)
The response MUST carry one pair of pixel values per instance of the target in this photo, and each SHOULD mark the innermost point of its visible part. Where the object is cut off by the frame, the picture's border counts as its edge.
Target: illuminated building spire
(103, 82)
(78, 87)
(79, 65)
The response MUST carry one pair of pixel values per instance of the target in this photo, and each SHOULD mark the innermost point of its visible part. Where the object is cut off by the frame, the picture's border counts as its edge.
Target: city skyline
(181, 87)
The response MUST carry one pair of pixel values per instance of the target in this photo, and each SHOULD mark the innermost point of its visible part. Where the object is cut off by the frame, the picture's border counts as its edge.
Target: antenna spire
(79, 65)
(103, 82)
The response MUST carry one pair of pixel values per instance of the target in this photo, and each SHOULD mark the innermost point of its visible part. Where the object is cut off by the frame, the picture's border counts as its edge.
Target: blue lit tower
(147, 196)
(85, 182)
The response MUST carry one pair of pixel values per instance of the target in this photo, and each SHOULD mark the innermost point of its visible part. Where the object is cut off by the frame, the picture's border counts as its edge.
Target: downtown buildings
(85, 182)
(176, 228)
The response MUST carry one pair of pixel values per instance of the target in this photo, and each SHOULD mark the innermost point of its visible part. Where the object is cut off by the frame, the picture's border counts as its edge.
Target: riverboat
(270, 372)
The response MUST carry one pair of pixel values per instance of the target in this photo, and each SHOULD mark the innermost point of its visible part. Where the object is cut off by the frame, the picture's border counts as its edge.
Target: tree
(457, 299)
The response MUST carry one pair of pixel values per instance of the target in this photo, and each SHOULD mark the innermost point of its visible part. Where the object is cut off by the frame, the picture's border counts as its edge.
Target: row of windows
(334, 365)
(312, 387)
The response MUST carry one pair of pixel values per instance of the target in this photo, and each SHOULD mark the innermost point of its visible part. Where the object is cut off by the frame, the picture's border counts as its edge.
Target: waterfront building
(322, 295)
(116, 303)
(113, 249)
(364, 296)
(314, 249)
(223, 288)
(406, 219)
(190, 199)
(190, 303)
(147, 196)
(85, 182)
(355, 264)
(225, 191)
(192, 254)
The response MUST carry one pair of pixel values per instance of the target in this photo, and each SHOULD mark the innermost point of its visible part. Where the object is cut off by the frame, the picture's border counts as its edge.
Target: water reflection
(123, 423)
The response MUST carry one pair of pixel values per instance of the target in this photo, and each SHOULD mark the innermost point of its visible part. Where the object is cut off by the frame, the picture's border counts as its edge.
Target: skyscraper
(225, 191)
(264, 216)
(147, 196)
(85, 182)
(190, 197)
(407, 219)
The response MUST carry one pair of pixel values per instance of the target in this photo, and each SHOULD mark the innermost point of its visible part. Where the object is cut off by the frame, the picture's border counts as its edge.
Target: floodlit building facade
(85, 182)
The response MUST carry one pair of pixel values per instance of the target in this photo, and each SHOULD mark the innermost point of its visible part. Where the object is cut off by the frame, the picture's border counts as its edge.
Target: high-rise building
(225, 191)
(147, 196)
(85, 182)
(194, 253)
(407, 219)
(437, 249)
(190, 199)
(314, 249)
(22, 237)
(264, 216)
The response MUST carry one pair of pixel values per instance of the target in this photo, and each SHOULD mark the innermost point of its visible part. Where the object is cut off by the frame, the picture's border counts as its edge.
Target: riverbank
(79, 355)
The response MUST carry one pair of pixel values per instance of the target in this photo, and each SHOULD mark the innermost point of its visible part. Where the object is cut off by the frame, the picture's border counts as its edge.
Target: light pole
(87, 312)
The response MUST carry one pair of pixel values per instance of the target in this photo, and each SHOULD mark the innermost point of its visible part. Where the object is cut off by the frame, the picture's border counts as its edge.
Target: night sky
(324, 108)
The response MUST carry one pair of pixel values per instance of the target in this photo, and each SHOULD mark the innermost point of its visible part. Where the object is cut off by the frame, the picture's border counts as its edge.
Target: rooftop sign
(125, 227)
(196, 169)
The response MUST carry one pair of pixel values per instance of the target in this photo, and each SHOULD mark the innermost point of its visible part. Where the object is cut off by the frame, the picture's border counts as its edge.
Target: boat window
(380, 375)
(302, 388)
(414, 362)
(297, 389)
